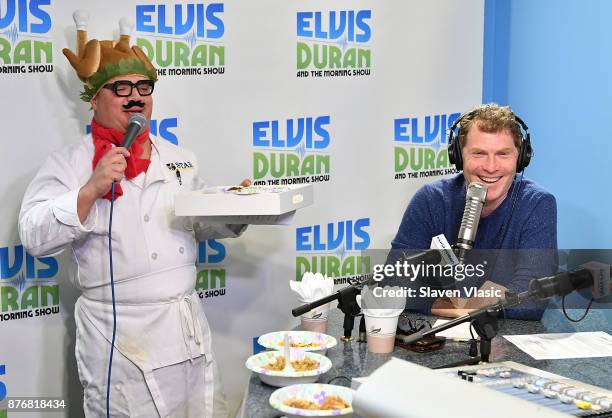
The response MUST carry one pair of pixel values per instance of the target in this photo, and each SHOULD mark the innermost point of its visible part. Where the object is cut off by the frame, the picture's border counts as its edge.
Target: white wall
(426, 60)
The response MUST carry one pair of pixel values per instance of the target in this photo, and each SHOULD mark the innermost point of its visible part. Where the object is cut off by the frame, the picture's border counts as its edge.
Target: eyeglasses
(123, 88)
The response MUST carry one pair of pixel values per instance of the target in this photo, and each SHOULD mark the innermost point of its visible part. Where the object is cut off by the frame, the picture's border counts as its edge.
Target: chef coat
(160, 321)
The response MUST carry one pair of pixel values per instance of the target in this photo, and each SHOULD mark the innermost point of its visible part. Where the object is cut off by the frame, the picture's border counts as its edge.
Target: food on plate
(303, 365)
(330, 402)
(300, 345)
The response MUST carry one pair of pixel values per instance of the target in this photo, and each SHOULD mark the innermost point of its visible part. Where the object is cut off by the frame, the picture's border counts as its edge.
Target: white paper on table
(284, 219)
(564, 345)
(459, 332)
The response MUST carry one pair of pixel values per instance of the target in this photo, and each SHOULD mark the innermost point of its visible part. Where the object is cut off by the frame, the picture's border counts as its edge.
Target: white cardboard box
(271, 205)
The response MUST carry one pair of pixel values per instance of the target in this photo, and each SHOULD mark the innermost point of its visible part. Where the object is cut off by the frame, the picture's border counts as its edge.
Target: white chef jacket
(160, 321)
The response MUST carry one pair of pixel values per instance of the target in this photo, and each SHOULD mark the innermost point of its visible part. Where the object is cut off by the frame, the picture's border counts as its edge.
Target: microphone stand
(485, 323)
(346, 297)
(347, 302)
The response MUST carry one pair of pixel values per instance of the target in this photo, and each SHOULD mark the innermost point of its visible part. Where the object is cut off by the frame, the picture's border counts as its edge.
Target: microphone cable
(506, 225)
(504, 231)
(112, 281)
(137, 122)
(588, 308)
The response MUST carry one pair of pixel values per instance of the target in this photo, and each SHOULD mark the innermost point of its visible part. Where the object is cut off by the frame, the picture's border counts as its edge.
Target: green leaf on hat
(123, 67)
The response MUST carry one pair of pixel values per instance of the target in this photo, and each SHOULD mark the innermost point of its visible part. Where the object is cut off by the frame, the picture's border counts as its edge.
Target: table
(352, 359)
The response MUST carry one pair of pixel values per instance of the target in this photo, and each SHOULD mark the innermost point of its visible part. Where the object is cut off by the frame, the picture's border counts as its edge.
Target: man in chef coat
(163, 364)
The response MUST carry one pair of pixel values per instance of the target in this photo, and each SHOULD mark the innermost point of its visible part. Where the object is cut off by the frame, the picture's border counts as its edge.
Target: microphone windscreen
(139, 119)
(136, 125)
(477, 191)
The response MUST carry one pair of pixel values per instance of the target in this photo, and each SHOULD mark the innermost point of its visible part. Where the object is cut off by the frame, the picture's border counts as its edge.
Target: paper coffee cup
(381, 333)
(319, 313)
(314, 325)
(315, 319)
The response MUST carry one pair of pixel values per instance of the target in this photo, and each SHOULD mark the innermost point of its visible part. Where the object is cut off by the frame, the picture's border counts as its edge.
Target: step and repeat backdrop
(353, 97)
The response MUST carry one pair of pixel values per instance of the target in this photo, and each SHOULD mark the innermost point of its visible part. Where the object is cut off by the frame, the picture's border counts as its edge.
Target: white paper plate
(282, 378)
(313, 392)
(275, 340)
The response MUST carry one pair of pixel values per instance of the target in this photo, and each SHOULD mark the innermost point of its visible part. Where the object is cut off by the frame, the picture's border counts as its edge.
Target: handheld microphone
(474, 201)
(136, 125)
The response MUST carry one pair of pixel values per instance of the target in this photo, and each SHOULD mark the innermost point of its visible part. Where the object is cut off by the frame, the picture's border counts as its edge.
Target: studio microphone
(590, 275)
(474, 201)
(136, 125)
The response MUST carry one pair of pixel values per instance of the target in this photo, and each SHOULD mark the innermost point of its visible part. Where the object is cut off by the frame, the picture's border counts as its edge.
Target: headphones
(454, 148)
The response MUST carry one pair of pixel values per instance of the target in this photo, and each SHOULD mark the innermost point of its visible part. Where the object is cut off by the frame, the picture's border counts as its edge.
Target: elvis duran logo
(421, 146)
(292, 151)
(24, 37)
(333, 249)
(183, 38)
(210, 280)
(159, 127)
(333, 43)
(27, 285)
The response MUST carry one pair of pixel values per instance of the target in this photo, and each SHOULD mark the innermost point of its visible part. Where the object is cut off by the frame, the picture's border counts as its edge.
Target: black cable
(515, 192)
(339, 377)
(506, 225)
(583, 315)
(504, 230)
(110, 257)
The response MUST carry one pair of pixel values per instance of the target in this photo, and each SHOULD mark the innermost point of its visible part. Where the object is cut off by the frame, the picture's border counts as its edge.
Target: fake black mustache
(134, 103)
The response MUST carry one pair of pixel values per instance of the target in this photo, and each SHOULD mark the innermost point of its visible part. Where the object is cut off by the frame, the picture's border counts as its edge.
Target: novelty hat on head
(96, 62)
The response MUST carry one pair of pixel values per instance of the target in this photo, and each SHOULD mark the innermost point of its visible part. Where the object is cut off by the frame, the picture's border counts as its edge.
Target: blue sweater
(437, 208)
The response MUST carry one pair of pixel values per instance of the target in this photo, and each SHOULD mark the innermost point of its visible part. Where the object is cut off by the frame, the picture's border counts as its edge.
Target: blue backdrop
(550, 61)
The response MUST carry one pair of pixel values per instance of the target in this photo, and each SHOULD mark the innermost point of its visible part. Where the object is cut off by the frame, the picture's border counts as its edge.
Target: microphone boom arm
(511, 300)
